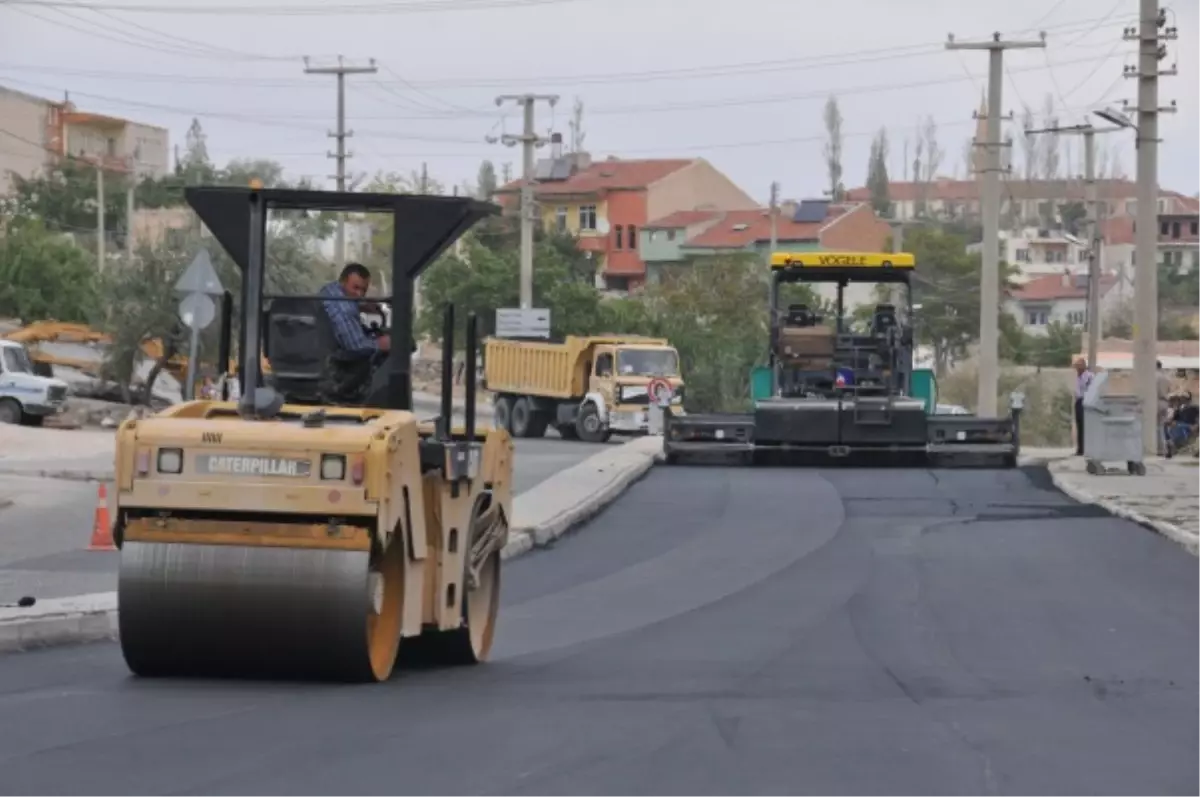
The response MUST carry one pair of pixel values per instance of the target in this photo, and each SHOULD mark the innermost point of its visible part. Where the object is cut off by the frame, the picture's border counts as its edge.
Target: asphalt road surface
(716, 631)
(44, 535)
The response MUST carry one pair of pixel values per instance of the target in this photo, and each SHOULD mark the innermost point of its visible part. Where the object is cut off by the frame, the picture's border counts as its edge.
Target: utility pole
(1094, 322)
(1145, 275)
(989, 278)
(341, 70)
(99, 216)
(528, 139)
(423, 187)
(774, 219)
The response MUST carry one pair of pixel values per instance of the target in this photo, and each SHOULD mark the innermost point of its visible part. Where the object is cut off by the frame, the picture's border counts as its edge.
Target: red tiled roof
(607, 175)
(1166, 348)
(1051, 288)
(682, 218)
(971, 190)
(722, 235)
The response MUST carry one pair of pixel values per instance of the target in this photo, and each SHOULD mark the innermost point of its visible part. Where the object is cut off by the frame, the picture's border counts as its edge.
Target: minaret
(979, 153)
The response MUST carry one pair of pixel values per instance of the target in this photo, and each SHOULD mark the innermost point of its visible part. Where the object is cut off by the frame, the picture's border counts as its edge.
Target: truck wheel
(502, 413)
(567, 431)
(10, 411)
(32, 420)
(522, 418)
(589, 427)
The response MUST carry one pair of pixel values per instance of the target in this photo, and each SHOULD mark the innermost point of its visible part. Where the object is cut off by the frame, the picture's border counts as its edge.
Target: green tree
(833, 148)
(486, 181)
(946, 285)
(64, 198)
(1074, 217)
(43, 275)
(877, 174)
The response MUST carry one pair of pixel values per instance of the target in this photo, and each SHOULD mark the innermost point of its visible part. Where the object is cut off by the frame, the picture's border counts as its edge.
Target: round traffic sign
(661, 391)
(197, 311)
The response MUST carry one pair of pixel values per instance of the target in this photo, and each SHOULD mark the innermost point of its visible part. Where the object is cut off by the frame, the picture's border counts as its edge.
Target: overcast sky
(739, 83)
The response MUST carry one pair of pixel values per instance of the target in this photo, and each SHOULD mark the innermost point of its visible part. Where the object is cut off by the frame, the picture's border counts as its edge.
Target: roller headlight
(333, 467)
(170, 460)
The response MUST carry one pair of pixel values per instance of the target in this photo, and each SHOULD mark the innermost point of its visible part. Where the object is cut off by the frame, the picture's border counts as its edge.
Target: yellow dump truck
(585, 387)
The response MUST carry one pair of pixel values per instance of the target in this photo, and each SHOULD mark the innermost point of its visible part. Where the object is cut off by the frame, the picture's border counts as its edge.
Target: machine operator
(352, 341)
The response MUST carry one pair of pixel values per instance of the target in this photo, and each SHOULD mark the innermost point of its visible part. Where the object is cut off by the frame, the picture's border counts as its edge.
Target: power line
(324, 9)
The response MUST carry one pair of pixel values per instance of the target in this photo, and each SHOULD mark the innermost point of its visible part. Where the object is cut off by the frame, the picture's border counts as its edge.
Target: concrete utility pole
(529, 139)
(1094, 322)
(989, 278)
(896, 294)
(341, 70)
(774, 219)
(99, 216)
(1145, 275)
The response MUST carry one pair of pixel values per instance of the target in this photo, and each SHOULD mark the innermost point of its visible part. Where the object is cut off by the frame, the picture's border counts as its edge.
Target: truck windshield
(647, 362)
(16, 361)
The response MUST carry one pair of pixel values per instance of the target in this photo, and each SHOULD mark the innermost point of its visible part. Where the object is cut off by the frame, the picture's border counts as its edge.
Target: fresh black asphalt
(716, 631)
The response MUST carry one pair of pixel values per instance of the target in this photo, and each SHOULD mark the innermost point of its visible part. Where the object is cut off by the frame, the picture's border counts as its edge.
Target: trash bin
(1112, 430)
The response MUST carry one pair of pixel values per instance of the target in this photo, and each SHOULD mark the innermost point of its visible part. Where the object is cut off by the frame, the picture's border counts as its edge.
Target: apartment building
(38, 131)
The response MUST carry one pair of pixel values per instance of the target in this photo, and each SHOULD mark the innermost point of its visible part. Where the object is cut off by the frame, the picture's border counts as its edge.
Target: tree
(577, 132)
(64, 198)
(1051, 145)
(43, 275)
(947, 287)
(486, 182)
(1074, 217)
(833, 147)
(877, 174)
(933, 151)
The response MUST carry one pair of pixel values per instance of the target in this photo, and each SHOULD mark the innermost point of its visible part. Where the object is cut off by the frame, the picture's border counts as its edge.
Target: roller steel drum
(226, 610)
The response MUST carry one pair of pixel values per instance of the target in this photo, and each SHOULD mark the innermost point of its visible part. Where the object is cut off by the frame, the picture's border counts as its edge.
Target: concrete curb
(93, 618)
(59, 621)
(66, 474)
(1189, 542)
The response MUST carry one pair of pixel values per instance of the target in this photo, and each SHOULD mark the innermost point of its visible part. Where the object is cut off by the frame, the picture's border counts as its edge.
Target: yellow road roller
(314, 528)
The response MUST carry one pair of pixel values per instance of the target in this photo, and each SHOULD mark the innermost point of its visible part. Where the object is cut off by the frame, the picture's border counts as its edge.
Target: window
(560, 218)
(616, 284)
(1175, 230)
(617, 237)
(1035, 318)
(1195, 228)
(1022, 256)
(16, 361)
(1195, 259)
(1166, 227)
(604, 364)
(671, 233)
(632, 236)
(587, 217)
(1075, 317)
(111, 146)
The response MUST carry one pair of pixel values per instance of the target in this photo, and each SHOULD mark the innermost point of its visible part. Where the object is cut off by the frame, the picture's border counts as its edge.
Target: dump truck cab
(297, 534)
(830, 390)
(587, 388)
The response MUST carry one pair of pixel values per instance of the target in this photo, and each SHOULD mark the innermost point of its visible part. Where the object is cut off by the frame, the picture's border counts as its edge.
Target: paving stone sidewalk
(1166, 499)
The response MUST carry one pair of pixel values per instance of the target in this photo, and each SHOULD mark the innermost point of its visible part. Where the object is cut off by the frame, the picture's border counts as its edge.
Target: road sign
(661, 391)
(200, 277)
(197, 311)
(512, 322)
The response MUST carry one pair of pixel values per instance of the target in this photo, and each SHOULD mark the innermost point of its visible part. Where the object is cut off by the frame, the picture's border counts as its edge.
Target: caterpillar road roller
(315, 528)
(831, 393)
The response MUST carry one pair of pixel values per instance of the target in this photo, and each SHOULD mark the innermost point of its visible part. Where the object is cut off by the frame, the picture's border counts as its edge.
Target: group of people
(1177, 412)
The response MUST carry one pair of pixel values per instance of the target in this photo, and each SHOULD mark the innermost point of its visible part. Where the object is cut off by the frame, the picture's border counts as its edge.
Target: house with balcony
(1058, 298)
(1040, 252)
(812, 225)
(607, 203)
(41, 131)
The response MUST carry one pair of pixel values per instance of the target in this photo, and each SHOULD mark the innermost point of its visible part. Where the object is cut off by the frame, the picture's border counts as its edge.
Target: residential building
(1022, 201)
(808, 226)
(607, 203)
(1040, 252)
(38, 131)
(1057, 298)
(1178, 241)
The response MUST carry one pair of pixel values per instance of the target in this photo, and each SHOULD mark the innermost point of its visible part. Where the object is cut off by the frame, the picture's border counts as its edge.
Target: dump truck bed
(545, 369)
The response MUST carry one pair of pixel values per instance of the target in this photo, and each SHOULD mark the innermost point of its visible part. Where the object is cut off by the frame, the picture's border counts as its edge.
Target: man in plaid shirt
(353, 283)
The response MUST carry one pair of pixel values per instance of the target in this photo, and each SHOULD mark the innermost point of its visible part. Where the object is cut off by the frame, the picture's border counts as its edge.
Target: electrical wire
(324, 9)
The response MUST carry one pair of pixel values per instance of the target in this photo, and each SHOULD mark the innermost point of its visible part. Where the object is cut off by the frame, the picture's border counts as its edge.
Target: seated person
(1181, 423)
(357, 353)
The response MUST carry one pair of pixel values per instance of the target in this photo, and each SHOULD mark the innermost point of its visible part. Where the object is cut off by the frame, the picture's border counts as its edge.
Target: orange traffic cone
(102, 538)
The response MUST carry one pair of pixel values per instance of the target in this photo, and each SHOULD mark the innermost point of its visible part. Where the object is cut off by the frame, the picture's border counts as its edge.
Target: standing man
(1083, 380)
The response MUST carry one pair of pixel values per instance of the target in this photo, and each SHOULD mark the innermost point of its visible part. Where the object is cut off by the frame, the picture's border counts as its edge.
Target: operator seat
(299, 343)
(884, 320)
(798, 315)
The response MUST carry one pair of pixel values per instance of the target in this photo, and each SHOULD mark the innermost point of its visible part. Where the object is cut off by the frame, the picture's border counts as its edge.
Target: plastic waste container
(1112, 430)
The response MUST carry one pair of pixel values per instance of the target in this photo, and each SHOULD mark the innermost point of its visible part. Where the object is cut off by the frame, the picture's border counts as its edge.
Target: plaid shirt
(347, 326)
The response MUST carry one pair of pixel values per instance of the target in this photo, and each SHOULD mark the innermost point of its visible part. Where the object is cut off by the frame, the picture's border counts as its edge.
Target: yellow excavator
(313, 528)
(40, 332)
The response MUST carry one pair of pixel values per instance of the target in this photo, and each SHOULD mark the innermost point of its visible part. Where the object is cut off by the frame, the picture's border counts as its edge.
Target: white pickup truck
(25, 397)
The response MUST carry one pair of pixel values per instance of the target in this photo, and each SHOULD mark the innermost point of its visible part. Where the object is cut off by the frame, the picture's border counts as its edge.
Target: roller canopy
(425, 225)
